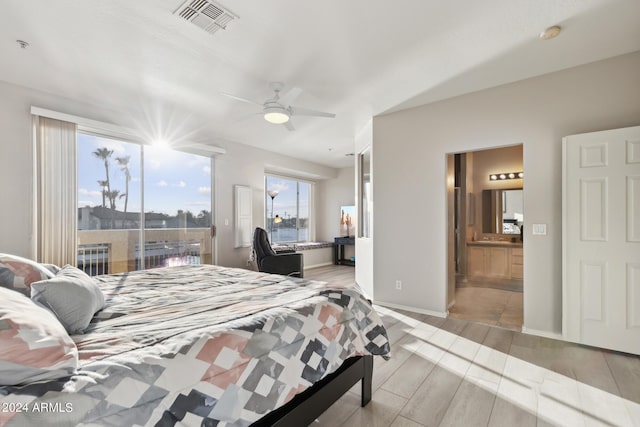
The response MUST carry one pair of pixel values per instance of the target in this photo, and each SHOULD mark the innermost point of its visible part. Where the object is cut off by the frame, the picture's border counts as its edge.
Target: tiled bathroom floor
(489, 306)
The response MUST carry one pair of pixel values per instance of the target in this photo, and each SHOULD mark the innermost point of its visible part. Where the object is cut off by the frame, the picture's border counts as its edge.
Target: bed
(211, 346)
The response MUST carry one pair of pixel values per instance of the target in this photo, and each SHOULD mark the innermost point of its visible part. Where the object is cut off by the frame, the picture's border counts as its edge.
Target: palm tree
(124, 167)
(104, 154)
(113, 195)
(103, 185)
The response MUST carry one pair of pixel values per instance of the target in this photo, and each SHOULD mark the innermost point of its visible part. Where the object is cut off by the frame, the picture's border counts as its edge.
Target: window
(287, 209)
(130, 193)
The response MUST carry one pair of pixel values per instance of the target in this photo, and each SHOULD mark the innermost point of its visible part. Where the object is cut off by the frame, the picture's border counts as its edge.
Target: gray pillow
(72, 296)
(52, 268)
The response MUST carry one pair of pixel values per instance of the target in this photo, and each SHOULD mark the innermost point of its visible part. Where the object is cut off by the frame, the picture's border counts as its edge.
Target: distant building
(101, 218)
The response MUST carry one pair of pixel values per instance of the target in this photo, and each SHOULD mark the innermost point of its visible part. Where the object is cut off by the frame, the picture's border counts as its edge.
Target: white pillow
(33, 344)
(72, 296)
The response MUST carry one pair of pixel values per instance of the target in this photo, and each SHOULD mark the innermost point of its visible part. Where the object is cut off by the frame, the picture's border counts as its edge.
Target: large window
(129, 193)
(288, 206)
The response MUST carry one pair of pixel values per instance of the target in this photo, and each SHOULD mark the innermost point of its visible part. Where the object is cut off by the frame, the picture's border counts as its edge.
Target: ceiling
(356, 58)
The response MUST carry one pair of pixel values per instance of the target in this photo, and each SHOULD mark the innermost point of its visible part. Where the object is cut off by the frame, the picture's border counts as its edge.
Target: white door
(601, 239)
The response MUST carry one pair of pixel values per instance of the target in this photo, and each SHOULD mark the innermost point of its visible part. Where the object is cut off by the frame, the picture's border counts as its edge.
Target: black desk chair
(288, 264)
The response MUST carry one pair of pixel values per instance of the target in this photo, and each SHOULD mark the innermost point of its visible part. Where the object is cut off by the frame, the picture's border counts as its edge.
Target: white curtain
(56, 205)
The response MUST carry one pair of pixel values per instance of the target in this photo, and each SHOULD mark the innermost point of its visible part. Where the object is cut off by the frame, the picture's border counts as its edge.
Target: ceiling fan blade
(247, 117)
(290, 96)
(299, 111)
(237, 98)
(289, 125)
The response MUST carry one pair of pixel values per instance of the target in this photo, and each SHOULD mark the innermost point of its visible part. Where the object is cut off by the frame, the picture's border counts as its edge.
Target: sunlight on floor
(549, 395)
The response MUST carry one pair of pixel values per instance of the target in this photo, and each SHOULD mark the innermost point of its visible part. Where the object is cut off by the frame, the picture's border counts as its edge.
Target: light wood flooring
(453, 372)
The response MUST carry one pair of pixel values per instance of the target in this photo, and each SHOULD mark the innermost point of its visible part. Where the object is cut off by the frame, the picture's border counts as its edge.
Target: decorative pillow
(71, 295)
(33, 344)
(52, 268)
(18, 273)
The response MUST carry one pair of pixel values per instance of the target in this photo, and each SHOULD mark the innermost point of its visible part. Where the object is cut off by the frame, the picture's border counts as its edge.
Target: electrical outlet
(399, 285)
(226, 221)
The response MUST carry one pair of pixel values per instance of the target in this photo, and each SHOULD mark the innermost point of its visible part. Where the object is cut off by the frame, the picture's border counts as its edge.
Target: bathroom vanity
(491, 259)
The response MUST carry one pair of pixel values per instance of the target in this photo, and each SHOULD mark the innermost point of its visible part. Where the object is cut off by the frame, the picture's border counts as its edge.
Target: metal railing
(169, 253)
(93, 259)
(119, 251)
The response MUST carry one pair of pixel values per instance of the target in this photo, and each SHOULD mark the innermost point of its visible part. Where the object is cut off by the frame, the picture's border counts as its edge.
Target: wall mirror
(502, 211)
(364, 190)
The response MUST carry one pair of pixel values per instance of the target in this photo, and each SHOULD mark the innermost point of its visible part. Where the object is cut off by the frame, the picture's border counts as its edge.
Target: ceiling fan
(278, 109)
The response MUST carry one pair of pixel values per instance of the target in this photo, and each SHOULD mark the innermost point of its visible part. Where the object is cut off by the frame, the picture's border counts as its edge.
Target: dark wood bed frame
(304, 408)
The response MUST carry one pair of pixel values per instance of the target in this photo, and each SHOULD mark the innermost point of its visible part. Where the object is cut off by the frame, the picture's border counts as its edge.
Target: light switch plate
(539, 229)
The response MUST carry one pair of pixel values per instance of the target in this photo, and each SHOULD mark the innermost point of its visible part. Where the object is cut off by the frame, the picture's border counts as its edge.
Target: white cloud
(198, 160)
(83, 203)
(204, 190)
(111, 144)
(162, 183)
(278, 186)
(198, 204)
(207, 170)
(180, 184)
(85, 192)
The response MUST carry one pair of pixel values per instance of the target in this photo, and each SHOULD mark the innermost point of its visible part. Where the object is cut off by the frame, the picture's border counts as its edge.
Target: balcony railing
(93, 259)
(168, 253)
(117, 251)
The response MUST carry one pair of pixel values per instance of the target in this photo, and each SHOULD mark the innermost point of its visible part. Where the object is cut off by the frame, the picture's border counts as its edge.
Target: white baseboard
(323, 264)
(412, 309)
(544, 334)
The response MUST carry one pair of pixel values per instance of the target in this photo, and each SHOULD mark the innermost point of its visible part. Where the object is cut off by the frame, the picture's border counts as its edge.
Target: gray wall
(332, 194)
(242, 165)
(410, 149)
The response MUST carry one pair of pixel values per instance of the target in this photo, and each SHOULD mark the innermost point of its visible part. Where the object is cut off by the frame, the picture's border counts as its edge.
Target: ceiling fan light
(276, 116)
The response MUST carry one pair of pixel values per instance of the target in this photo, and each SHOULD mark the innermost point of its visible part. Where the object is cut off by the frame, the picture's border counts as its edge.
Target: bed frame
(304, 408)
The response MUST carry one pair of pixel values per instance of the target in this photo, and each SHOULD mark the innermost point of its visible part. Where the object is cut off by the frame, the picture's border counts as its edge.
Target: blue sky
(173, 180)
(285, 202)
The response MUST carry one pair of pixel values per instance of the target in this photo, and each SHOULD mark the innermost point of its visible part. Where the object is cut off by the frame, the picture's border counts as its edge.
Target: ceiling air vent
(205, 14)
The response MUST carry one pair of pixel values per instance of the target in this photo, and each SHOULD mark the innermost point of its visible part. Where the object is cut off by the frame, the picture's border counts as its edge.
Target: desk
(338, 250)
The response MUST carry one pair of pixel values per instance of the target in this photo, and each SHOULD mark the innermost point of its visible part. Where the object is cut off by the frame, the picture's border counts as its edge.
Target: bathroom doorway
(486, 216)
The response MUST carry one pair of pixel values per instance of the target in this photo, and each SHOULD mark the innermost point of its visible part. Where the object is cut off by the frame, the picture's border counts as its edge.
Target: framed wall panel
(243, 198)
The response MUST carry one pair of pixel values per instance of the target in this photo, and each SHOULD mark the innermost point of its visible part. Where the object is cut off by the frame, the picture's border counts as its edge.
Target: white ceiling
(356, 58)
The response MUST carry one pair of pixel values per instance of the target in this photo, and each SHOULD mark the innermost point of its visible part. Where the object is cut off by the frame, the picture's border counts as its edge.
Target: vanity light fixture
(506, 175)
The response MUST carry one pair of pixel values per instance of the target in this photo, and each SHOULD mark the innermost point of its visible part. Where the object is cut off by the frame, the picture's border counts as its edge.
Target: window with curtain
(287, 209)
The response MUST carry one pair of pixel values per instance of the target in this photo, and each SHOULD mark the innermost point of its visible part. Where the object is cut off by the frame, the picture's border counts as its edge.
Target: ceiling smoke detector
(205, 14)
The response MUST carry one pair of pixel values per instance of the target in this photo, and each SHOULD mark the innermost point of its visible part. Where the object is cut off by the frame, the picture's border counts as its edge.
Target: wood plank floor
(453, 372)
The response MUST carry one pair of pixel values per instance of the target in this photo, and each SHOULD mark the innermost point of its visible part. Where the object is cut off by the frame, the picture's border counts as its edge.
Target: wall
(245, 165)
(410, 150)
(332, 194)
(241, 164)
(365, 245)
